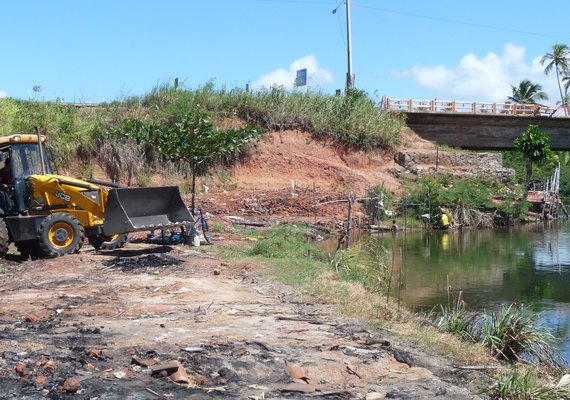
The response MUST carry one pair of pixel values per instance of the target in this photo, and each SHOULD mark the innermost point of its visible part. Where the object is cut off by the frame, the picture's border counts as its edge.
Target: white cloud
(286, 77)
(3, 94)
(487, 78)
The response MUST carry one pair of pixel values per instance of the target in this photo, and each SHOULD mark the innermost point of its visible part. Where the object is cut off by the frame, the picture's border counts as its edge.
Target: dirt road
(117, 325)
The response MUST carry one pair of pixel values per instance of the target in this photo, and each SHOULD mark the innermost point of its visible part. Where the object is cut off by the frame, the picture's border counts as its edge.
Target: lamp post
(349, 75)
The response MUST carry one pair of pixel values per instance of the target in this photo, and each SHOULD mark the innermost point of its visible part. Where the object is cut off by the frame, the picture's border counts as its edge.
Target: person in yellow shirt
(444, 220)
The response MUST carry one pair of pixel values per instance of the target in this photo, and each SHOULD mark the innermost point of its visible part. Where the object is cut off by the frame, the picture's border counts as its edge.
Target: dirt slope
(288, 173)
(289, 156)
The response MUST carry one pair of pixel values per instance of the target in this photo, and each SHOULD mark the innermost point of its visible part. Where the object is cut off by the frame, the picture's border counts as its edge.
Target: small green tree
(194, 138)
(535, 147)
(189, 137)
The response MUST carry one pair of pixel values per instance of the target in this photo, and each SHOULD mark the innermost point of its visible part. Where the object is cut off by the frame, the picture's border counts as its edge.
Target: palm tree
(527, 92)
(557, 59)
(566, 85)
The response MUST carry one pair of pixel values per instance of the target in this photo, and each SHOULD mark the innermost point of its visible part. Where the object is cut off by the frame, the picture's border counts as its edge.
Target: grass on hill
(79, 133)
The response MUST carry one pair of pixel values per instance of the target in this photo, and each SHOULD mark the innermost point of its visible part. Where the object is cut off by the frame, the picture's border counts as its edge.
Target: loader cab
(19, 158)
(25, 160)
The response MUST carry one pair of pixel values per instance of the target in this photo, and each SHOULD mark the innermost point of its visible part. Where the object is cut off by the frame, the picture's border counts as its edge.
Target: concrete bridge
(481, 126)
(486, 132)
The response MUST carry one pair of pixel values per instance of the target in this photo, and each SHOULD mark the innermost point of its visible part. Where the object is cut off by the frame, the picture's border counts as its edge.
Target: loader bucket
(144, 209)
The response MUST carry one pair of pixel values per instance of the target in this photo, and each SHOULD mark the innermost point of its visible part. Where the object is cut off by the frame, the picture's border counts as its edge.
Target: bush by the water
(465, 200)
(512, 333)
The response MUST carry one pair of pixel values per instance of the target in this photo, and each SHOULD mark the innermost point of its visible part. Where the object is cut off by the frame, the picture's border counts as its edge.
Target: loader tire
(104, 243)
(4, 238)
(59, 234)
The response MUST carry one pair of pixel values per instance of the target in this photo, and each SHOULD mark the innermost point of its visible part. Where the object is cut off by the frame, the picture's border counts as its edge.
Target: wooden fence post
(349, 223)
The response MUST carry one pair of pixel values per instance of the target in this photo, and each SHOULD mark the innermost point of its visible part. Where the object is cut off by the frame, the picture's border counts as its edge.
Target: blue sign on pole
(301, 77)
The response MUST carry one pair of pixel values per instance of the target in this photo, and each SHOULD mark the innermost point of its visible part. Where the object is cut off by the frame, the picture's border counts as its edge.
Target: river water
(528, 264)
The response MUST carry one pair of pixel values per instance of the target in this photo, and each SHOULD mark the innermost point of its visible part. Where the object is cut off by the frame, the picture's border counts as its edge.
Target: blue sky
(102, 50)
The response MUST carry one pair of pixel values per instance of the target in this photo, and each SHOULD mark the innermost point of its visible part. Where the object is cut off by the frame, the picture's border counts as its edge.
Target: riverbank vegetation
(511, 333)
(525, 383)
(482, 201)
(478, 202)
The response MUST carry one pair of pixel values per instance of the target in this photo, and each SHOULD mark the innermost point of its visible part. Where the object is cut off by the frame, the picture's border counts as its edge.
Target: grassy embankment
(97, 136)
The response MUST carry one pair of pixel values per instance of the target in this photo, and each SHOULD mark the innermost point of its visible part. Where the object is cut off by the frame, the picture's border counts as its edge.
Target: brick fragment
(22, 369)
(30, 318)
(71, 385)
(40, 380)
(143, 362)
(166, 369)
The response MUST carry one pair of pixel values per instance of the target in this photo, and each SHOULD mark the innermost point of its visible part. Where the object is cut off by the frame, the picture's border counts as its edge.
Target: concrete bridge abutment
(486, 132)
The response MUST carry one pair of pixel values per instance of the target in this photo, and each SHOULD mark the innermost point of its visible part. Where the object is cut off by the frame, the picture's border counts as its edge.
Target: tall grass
(457, 320)
(366, 263)
(67, 127)
(524, 384)
(511, 334)
(352, 120)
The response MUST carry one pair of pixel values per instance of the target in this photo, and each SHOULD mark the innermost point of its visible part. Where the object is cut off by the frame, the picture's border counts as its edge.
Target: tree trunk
(528, 176)
(560, 89)
(193, 184)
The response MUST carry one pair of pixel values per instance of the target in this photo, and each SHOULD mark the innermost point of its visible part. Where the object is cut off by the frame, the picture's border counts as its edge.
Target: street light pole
(349, 77)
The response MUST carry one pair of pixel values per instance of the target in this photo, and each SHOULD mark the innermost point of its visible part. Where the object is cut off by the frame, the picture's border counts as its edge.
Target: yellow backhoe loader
(46, 214)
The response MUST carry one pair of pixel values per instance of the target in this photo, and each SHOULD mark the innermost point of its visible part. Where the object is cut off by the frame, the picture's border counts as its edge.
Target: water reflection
(529, 265)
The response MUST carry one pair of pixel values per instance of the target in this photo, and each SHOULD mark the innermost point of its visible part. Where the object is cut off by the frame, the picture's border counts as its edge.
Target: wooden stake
(349, 224)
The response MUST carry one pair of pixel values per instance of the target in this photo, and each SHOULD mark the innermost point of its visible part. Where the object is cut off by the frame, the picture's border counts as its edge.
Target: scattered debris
(351, 368)
(143, 362)
(172, 369)
(124, 331)
(250, 223)
(564, 381)
(355, 351)
(403, 357)
(193, 349)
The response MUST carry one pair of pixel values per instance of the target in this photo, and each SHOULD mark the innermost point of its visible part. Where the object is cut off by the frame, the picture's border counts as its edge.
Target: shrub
(524, 384)
(464, 198)
(365, 262)
(513, 334)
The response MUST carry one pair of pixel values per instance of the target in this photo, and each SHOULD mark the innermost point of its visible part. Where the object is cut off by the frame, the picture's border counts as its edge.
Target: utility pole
(349, 77)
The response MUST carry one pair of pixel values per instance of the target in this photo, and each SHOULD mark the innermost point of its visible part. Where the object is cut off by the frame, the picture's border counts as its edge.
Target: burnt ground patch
(145, 263)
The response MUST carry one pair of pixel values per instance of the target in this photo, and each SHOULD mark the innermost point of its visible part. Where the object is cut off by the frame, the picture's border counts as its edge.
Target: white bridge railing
(473, 107)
